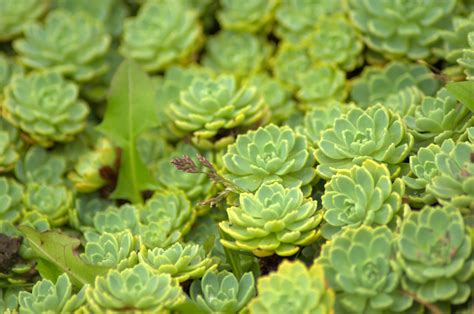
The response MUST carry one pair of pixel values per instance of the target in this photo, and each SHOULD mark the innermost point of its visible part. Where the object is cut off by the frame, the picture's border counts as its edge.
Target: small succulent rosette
(249, 16)
(15, 16)
(467, 59)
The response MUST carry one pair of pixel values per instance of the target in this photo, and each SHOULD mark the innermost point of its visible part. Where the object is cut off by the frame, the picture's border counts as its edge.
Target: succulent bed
(260, 156)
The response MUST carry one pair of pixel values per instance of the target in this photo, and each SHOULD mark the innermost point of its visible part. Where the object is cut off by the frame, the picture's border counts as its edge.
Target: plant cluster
(229, 156)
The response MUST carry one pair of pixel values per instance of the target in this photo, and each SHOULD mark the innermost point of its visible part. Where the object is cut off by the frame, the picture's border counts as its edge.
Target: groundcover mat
(237, 156)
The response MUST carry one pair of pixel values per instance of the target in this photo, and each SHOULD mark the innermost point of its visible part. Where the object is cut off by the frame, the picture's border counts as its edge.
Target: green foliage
(134, 289)
(131, 93)
(359, 265)
(222, 292)
(270, 154)
(289, 63)
(37, 166)
(463, 93)
(400, 29)
(375, 133)
(208, 106)
(181, 261)
(10, 144)
(8, 70)
(116, 219)
(14, 16)
(467, 59)
(46, 107)
(49, 297)
(11, 193)
(163, 33)
(274, 220)
(293, 289)
(435, 254)
(72, 44)
(361, 195)
(250, 16)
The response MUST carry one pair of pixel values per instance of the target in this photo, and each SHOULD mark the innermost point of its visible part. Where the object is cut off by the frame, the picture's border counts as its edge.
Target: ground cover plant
(226, 156)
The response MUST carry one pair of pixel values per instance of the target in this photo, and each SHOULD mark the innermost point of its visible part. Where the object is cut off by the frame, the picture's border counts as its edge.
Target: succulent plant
(361, 195)
(423, 170)
(49, 297)
(439, 118)
(454, 184)
(377, 84)
(36, 220)
(87, 174)
(335, 41)
(236, 53)
(375, 133)
(37, 166)
(196, 186)
(208, 106)
(274, 220)
(117, 219)
(152, 146)
(405, 102)
(275, 95)
(46, 107)
(251, 16)
(109, 250)
(270, 154)
(434, 251)
(181, 261)
(467, 59)
(15, 16)
(320, 119)
(293, 289)
(9, 300)
(73, 44)
(10, 144)
(165, 218)
(84, 209)
(296, 18)
(162, 34)
(402, 28)
(321, 85)
(8, 70)
(222, 292)
(135, 289)
(289, 63)
(53, 201)
(359, 265)
(11, 193)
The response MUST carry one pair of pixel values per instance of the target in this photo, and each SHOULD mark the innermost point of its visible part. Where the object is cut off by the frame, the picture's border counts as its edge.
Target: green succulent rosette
(377, 84)
(9, 299)
(222, 292)
(320, 85)
(196, 186)
(111, 250)
(11, 194)
(237, 53)
(49, 297)
(134, 290)
(423, 169)
(439, 118)
(296, 19)
(117, 219)
(10, 146)
(402, 29)
(46, 107)
(15, 16)
(165, 218)
(434, 251)
(335, 41)
(454, 183)
(181, 261)
(361, 195)
(405, 102)
(37, 166)
(162, 34)
(293, 289)
(360, 266)
(375, 133)
(274, 220)
(72, 44)
(53, 201)
(84, 209)
(467, 59)
(270, 154)
(111, 13)
(210, 106)
(153, 146)
(289, 63)
(249, 16)
(320, 119)
(87, 173)
(8, 70)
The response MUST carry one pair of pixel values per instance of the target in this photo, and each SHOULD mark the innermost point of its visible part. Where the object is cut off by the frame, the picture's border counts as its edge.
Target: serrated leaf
(131, 109)
(464, 92)
(57, 254)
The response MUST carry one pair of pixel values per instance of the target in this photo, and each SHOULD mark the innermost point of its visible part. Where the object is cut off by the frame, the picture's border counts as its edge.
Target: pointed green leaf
(464, 92)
